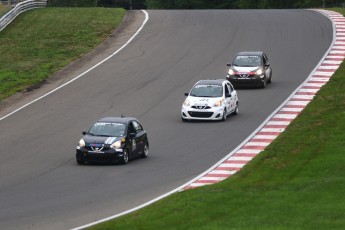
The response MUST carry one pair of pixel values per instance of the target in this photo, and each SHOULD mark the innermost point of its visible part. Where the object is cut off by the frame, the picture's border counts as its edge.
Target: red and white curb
(282, 117)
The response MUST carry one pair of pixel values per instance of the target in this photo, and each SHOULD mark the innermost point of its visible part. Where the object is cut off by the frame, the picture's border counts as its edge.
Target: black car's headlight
(117, 144)
(81, 143)
(231, 72)
(259, 72)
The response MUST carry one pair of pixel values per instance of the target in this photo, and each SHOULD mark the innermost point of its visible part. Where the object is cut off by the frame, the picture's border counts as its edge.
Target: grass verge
(42, 41)
(296, 183)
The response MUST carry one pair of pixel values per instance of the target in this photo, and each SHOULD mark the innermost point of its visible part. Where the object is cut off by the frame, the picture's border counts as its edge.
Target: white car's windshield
(247, 61)
(207, 91)
(108, 129)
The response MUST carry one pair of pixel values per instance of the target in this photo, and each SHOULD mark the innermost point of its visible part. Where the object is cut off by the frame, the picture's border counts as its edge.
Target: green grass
(42, 41)
(298, 182)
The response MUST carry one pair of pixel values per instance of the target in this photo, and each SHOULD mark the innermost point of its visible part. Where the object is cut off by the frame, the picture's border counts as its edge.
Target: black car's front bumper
(86, 156)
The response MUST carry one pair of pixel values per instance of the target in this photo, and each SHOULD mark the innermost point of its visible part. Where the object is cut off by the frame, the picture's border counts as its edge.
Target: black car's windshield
(109, 129)
(207, 91)
(247, 61)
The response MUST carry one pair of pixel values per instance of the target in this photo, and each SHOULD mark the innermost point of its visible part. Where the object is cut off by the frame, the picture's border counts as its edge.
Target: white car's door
(233, 98)
(228, 100)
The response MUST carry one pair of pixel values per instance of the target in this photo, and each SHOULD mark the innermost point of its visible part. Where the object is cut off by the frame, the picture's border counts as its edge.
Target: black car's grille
(200, 114)
(97, 147)
(201, 107)
(243, 75)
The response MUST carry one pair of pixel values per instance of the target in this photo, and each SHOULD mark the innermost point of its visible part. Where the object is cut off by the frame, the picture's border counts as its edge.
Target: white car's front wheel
(236, 110)
(224, 115)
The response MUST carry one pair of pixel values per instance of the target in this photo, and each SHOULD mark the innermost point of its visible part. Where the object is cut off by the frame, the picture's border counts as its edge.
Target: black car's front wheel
(264, 84)
(80, 161)
(270, 79)
(125, 157)
(145, 151)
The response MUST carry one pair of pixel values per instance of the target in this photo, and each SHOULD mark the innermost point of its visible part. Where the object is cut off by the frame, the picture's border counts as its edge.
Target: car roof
(211, 82)
(247, 53)
(117, 119)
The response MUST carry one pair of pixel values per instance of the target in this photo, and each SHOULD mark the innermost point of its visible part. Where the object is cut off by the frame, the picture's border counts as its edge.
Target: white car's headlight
(259, 72)
(115, 145)
(219, 102)
(231, 72)
(81, 143)
(186, 102)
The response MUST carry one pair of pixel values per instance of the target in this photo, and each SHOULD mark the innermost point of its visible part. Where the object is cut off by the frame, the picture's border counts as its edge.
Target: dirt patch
(130, 24)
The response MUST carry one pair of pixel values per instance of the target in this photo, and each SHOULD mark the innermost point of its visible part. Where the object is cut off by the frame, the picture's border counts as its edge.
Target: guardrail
(18, 9)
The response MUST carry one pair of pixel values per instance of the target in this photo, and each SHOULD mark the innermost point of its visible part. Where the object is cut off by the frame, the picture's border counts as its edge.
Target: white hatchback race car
(210, 100)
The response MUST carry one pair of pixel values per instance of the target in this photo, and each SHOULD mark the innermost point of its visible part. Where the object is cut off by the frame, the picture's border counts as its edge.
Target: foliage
(72, 3)
(189, 4)
(126, 4)
(235, 4)
(195, 4)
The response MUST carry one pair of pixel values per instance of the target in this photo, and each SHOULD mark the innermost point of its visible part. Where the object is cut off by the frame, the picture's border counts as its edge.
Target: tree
(247, 4)
(72, 3)
(233, 4)
(127, 4)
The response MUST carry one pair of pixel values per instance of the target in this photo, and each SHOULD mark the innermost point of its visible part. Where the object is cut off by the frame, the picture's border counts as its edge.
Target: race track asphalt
(42, 187)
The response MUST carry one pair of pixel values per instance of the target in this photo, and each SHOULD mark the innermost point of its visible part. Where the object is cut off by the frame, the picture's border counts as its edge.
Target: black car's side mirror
(228, 64)
(84, 132)
(186, 94)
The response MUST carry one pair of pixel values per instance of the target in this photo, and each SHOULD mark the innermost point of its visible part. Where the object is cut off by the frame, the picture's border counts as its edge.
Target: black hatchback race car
(113, 139)
(250, 68)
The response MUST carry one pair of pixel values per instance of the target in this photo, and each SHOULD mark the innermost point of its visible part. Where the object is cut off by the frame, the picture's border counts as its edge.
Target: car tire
(224, 115)
(125, 157)
(145, 151)
(270, 79)
(80, 162)
(264, 84)
(236, 109)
